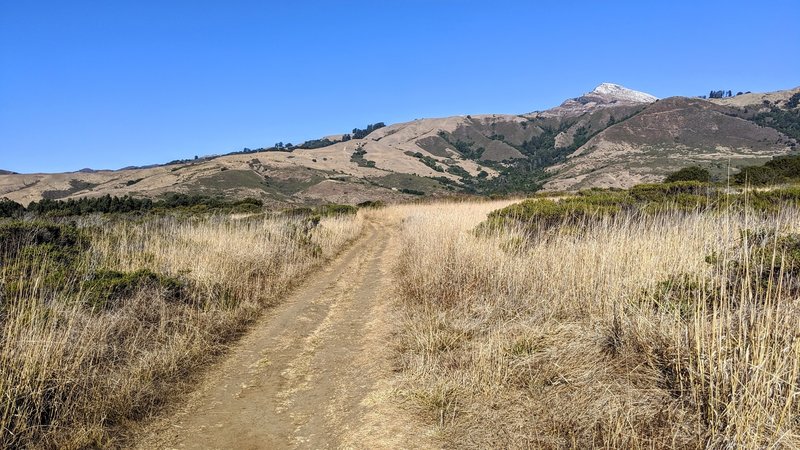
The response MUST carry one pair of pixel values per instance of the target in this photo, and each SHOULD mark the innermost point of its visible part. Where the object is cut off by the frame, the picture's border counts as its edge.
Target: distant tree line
(316, 143)
(361, 134)
(357, 133)
(722, 94)
(108, 204)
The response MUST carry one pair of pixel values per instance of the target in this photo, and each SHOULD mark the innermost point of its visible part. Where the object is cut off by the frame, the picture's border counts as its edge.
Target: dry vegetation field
(668, 330)
(626, 325)
(103, 323)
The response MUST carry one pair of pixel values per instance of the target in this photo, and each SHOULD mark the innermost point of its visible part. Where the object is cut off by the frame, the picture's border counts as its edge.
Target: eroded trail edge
(314, 373)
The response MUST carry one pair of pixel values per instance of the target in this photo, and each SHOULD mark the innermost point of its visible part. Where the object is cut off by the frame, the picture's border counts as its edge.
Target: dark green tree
(692, 173)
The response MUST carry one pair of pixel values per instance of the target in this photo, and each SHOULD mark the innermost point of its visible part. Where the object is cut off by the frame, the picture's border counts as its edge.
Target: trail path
(314, 373)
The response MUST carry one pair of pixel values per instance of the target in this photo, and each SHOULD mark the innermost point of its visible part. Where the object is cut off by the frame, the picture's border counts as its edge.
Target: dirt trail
(315, 373)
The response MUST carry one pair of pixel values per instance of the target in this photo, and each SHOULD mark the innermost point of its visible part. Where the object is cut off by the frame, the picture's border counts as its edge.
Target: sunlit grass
(73, 376)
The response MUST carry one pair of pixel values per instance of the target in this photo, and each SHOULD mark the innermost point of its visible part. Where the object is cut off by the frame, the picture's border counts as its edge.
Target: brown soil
(316, 372)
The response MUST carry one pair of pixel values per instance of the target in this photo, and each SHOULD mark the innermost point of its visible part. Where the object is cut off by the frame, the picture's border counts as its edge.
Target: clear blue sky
(107, 84)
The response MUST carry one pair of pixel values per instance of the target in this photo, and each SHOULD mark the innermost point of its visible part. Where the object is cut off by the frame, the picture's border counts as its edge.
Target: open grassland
(103, 323)
(674, 327)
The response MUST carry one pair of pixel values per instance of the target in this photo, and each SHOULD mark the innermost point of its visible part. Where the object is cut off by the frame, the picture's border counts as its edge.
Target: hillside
(609, 137)
(669, 134)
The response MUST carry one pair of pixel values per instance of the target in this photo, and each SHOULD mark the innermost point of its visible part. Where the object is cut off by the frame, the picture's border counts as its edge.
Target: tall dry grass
(75, 377)
(570, 340)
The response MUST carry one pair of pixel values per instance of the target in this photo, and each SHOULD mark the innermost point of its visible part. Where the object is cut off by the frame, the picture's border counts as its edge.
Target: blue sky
(110, 84)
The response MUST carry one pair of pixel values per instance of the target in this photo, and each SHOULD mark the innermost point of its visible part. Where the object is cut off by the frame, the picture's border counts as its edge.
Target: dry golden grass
(509, 342)
(73, 377)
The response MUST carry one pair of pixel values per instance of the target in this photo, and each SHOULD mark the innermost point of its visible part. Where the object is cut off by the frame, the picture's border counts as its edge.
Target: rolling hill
(609, 137)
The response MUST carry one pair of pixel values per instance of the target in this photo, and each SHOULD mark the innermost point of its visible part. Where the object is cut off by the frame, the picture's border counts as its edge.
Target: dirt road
(314, 373)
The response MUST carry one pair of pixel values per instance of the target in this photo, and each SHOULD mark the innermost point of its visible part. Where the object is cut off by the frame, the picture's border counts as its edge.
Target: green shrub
(247, 205)
(594, 204)
(772, 200)
(302, 211)
(692, 173)
(780, 169)
(785, 121)
(678, 294)
(372, 204)
(104, 289)
(334, 209)
(660, 192)
(17, 236)
(358, 158)
(42, 255)
(542, 214)
(458, 171)
(432, 163)
(769, 259)
(757, 176)
(761, 264)
(107, 204)
(10, 208)
(678, 202)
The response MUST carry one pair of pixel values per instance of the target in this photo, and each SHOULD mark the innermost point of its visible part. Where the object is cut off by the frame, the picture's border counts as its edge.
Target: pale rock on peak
(621, 93)
(603, 96)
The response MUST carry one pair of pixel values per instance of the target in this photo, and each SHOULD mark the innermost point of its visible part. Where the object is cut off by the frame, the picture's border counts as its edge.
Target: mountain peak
(613, 91)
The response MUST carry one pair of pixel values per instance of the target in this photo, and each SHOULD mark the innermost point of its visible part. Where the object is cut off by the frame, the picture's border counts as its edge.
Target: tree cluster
(9, 208)
(108, 204)
(793, 101)
(782, 169)
(315, 143)
(786, 121)
(720, 94)
(361, 134)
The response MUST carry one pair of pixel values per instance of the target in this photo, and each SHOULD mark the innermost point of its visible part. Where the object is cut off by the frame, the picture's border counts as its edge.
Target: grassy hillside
(671, 134)
(595, 140)
(673, 327)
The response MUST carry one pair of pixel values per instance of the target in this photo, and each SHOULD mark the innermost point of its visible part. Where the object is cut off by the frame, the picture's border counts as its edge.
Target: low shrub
(678, 294)
(104, 289)
(662, 192)
(9, 208)
(592, 205)
(539, 215)
(334, 209)
(764, 262)
(771, 200)
(18, 235)
(372, 204)
(692, 173)
(38, 256)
